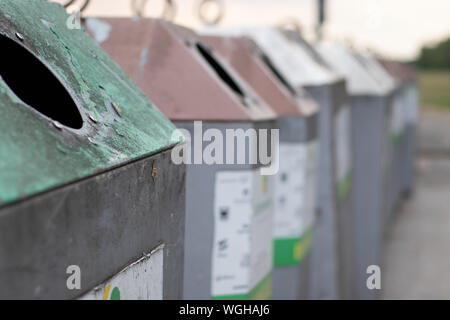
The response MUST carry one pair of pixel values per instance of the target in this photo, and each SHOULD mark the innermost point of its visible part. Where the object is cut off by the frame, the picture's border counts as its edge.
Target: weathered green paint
(34, 155)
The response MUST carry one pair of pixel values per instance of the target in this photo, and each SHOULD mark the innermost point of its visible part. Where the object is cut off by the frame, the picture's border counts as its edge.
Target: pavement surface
(416, 254)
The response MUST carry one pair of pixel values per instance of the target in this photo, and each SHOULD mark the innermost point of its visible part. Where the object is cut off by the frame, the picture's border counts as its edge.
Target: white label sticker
(289, 191)
(242, 249)
(142, 280)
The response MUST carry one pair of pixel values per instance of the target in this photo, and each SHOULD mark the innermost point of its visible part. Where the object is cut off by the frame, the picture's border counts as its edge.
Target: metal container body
(94, 194)
(391, 87)
(371, 102)
(101, 224)
(332, 253)
(204, 230)
(329, 89)
(303, 69)
(405, 141)
(291, 282)
(370, 136)
(294, 186)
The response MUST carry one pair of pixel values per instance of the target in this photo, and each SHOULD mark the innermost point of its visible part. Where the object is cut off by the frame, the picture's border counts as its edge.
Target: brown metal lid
(400, 71)
(243, 56)
(184, 77)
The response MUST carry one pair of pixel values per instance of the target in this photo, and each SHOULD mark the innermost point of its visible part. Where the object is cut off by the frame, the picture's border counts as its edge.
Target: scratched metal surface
(35, 154)
(101, 224)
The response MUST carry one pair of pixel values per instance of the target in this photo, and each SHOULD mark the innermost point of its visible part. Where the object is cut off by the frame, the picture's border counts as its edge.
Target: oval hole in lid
(36, 85)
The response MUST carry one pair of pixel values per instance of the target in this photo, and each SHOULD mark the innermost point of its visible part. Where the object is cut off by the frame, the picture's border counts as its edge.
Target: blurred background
(416, 252)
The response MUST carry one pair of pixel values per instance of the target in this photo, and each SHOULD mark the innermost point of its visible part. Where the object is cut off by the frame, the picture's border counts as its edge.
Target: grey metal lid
(360, 80)
(296, 62)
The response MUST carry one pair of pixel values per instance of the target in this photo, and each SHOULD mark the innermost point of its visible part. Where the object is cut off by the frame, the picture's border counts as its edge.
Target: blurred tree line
(435, 57)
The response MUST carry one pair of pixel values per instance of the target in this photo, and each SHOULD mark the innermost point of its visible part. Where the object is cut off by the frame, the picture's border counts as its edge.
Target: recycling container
(91, 205)
(411, 131)
(396, 129)
(295, 183)
(331, 253)
(229, 201)
(408, 91)
(335, 189)
(371, 104)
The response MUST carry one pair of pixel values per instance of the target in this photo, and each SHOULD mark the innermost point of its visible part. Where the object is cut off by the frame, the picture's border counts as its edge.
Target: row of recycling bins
(94, 206)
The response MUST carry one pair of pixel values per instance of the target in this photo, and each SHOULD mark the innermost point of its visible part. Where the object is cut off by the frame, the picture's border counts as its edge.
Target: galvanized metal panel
(406, 79)
(370, 136)
(200, 214)
(371, 155)
(100, 224)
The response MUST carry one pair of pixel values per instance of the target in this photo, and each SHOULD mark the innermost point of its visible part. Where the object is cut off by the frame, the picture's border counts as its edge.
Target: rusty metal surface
(165, 62)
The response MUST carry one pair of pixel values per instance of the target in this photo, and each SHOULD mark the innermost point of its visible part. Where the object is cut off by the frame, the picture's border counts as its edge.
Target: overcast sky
(396, 28)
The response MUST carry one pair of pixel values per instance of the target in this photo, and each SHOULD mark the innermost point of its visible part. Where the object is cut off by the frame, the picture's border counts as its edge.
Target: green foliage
(436, 57)
(435, 89)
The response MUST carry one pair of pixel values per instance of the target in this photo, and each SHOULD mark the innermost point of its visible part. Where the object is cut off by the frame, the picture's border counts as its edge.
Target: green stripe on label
(262, 291)
(291, 251)
(344, 187)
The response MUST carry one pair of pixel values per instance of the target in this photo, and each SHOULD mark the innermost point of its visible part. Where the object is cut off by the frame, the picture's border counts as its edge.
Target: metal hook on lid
(203, 5)
(85, 5)
(168, 12)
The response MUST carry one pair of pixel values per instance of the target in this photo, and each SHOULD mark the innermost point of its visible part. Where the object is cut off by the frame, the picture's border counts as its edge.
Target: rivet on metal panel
(20, 36)
(93, 119)
(57, 125)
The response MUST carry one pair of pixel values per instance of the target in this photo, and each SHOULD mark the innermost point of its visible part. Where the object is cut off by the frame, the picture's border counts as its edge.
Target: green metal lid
(85, 116)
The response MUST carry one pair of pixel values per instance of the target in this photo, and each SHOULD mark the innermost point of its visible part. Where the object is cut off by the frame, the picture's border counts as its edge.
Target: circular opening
(36, 85)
